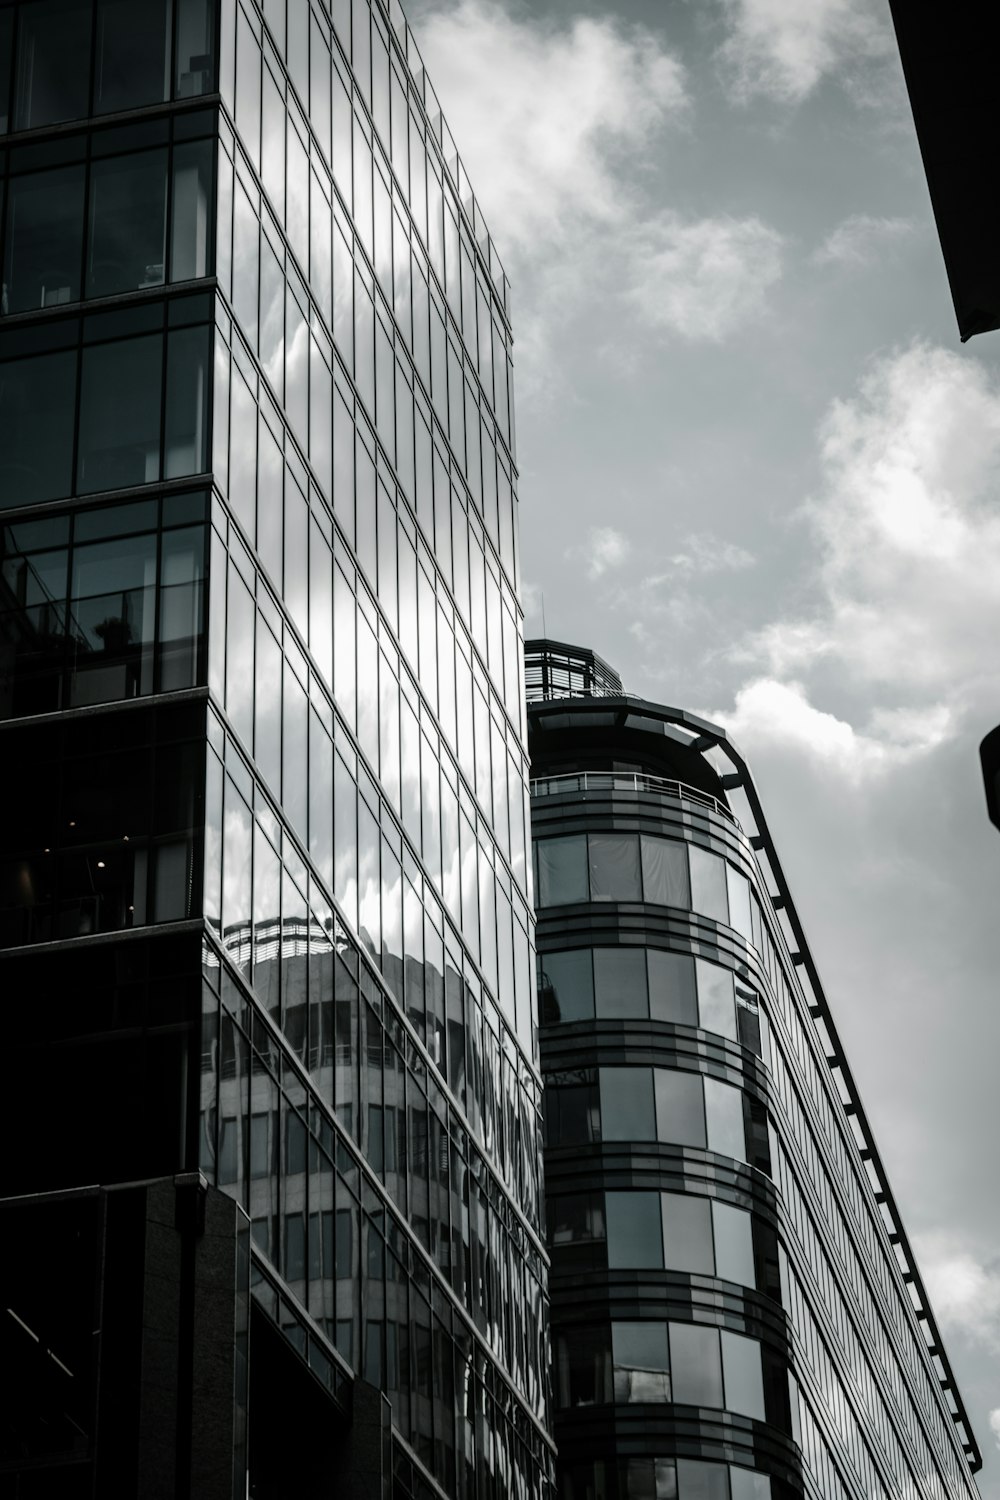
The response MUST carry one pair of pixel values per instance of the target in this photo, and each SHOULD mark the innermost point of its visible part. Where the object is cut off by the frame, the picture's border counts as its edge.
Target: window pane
(672, 995)
(701, 1481)
(583, 1367)
(181, 606)
(716, 1002)
(185, 448)
(44, 239)
(665, 872)
(566, 991)
(696, 1366)
(724, 1112)
(120, 414)
(189, 213)
(114, 608)
(687, 1233)
(37, 400)
(744, 1380)
(746, 1485)
(733, 1244)
(53, 63)
(708, 884)
(193, 65)
(562, 870)
(620, 982)
(641, 1362)
(738, 888)
(634, 1231)
(127, 249)
(571, 1114)
(680, 1109)
(6, 30)
(627, 1112)
(614, 867)
(132, 54)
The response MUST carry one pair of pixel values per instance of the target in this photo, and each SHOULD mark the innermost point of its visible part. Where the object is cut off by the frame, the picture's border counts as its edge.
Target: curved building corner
(735, 1311)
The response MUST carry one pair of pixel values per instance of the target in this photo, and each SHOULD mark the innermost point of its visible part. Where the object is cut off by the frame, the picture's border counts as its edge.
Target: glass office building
(736, 1314)
(264, 912)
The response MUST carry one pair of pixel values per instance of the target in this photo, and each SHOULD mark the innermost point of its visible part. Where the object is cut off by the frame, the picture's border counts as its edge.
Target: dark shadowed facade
(264, 912)
(735, 1311)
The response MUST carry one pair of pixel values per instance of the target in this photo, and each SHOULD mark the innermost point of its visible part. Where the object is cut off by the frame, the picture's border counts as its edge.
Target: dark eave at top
(950, 59)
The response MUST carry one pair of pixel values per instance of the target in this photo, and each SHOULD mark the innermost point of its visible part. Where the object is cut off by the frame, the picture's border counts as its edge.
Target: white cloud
(543, 113)
(861, 239)
(964, 1288)
(783, 48)
(702, 278)
(909, 539)
(994, 1420)
(604, 549)
(702, 552)
(557, 124)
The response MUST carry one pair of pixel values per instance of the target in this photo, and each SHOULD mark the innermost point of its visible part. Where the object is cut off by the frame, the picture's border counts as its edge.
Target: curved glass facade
(733, 1312)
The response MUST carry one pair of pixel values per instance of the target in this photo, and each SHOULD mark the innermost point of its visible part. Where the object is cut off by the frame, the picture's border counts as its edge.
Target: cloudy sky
(759, 474)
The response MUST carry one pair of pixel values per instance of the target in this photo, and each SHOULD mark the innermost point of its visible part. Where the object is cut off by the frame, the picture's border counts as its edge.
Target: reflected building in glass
(264, 910)
(736, 1314)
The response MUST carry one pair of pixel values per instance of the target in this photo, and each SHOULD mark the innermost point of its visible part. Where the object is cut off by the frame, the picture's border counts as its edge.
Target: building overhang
(949, 62)
(989, 754)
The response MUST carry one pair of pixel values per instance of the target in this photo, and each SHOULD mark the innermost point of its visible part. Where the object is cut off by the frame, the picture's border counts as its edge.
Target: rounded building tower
(735, 1315)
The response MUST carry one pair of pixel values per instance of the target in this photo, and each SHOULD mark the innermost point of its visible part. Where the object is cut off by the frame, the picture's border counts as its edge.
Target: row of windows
(641, 1230)
(651, 1363)
(412, 189)
(108, 414)
(848, 1211)
(258, 901)
(664, 1479)
(247, 461)
(654, 1104)
(102, 605)
(98, 840)
(65, 59)
(120, 223)
(641, 867)
(262, 680)
(357, 1268)
(576, 984)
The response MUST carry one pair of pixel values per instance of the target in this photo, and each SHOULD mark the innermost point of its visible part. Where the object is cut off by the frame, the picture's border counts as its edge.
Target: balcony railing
(628, 781)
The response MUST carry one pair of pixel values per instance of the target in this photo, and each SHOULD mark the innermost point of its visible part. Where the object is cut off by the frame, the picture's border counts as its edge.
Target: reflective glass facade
(735, 1310)
(261, 679)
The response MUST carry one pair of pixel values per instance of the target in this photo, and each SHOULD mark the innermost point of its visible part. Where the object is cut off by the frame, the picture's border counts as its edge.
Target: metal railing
(628, 781)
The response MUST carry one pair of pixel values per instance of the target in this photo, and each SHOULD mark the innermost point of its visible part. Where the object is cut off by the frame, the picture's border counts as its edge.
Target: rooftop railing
(628, 781)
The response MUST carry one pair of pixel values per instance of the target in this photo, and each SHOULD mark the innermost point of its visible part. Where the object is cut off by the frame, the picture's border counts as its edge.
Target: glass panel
(566, 989)
(716, 1001)
(128, 217)
(627, 1112)
(672, 994)
(181, 606)
(634, 1231)
(194, 67)
(741, 1367)
(724, 1112)
(733, 1244)
(53, 63)
(738, 888)
(189, 213)
(132, 54)
(665, 872)
(680, 1109)
(614, 867)
(185, 448)
(562, 870)
(696, 1365)
(746, 1485)
(44, 239)
(641, 1362)
(583, 1367)
(37, 401)
(687, 1233)
(120, 414)
(620, 982)
(6, 30)
(701, 1481)
(114, 609)
(708, 884)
